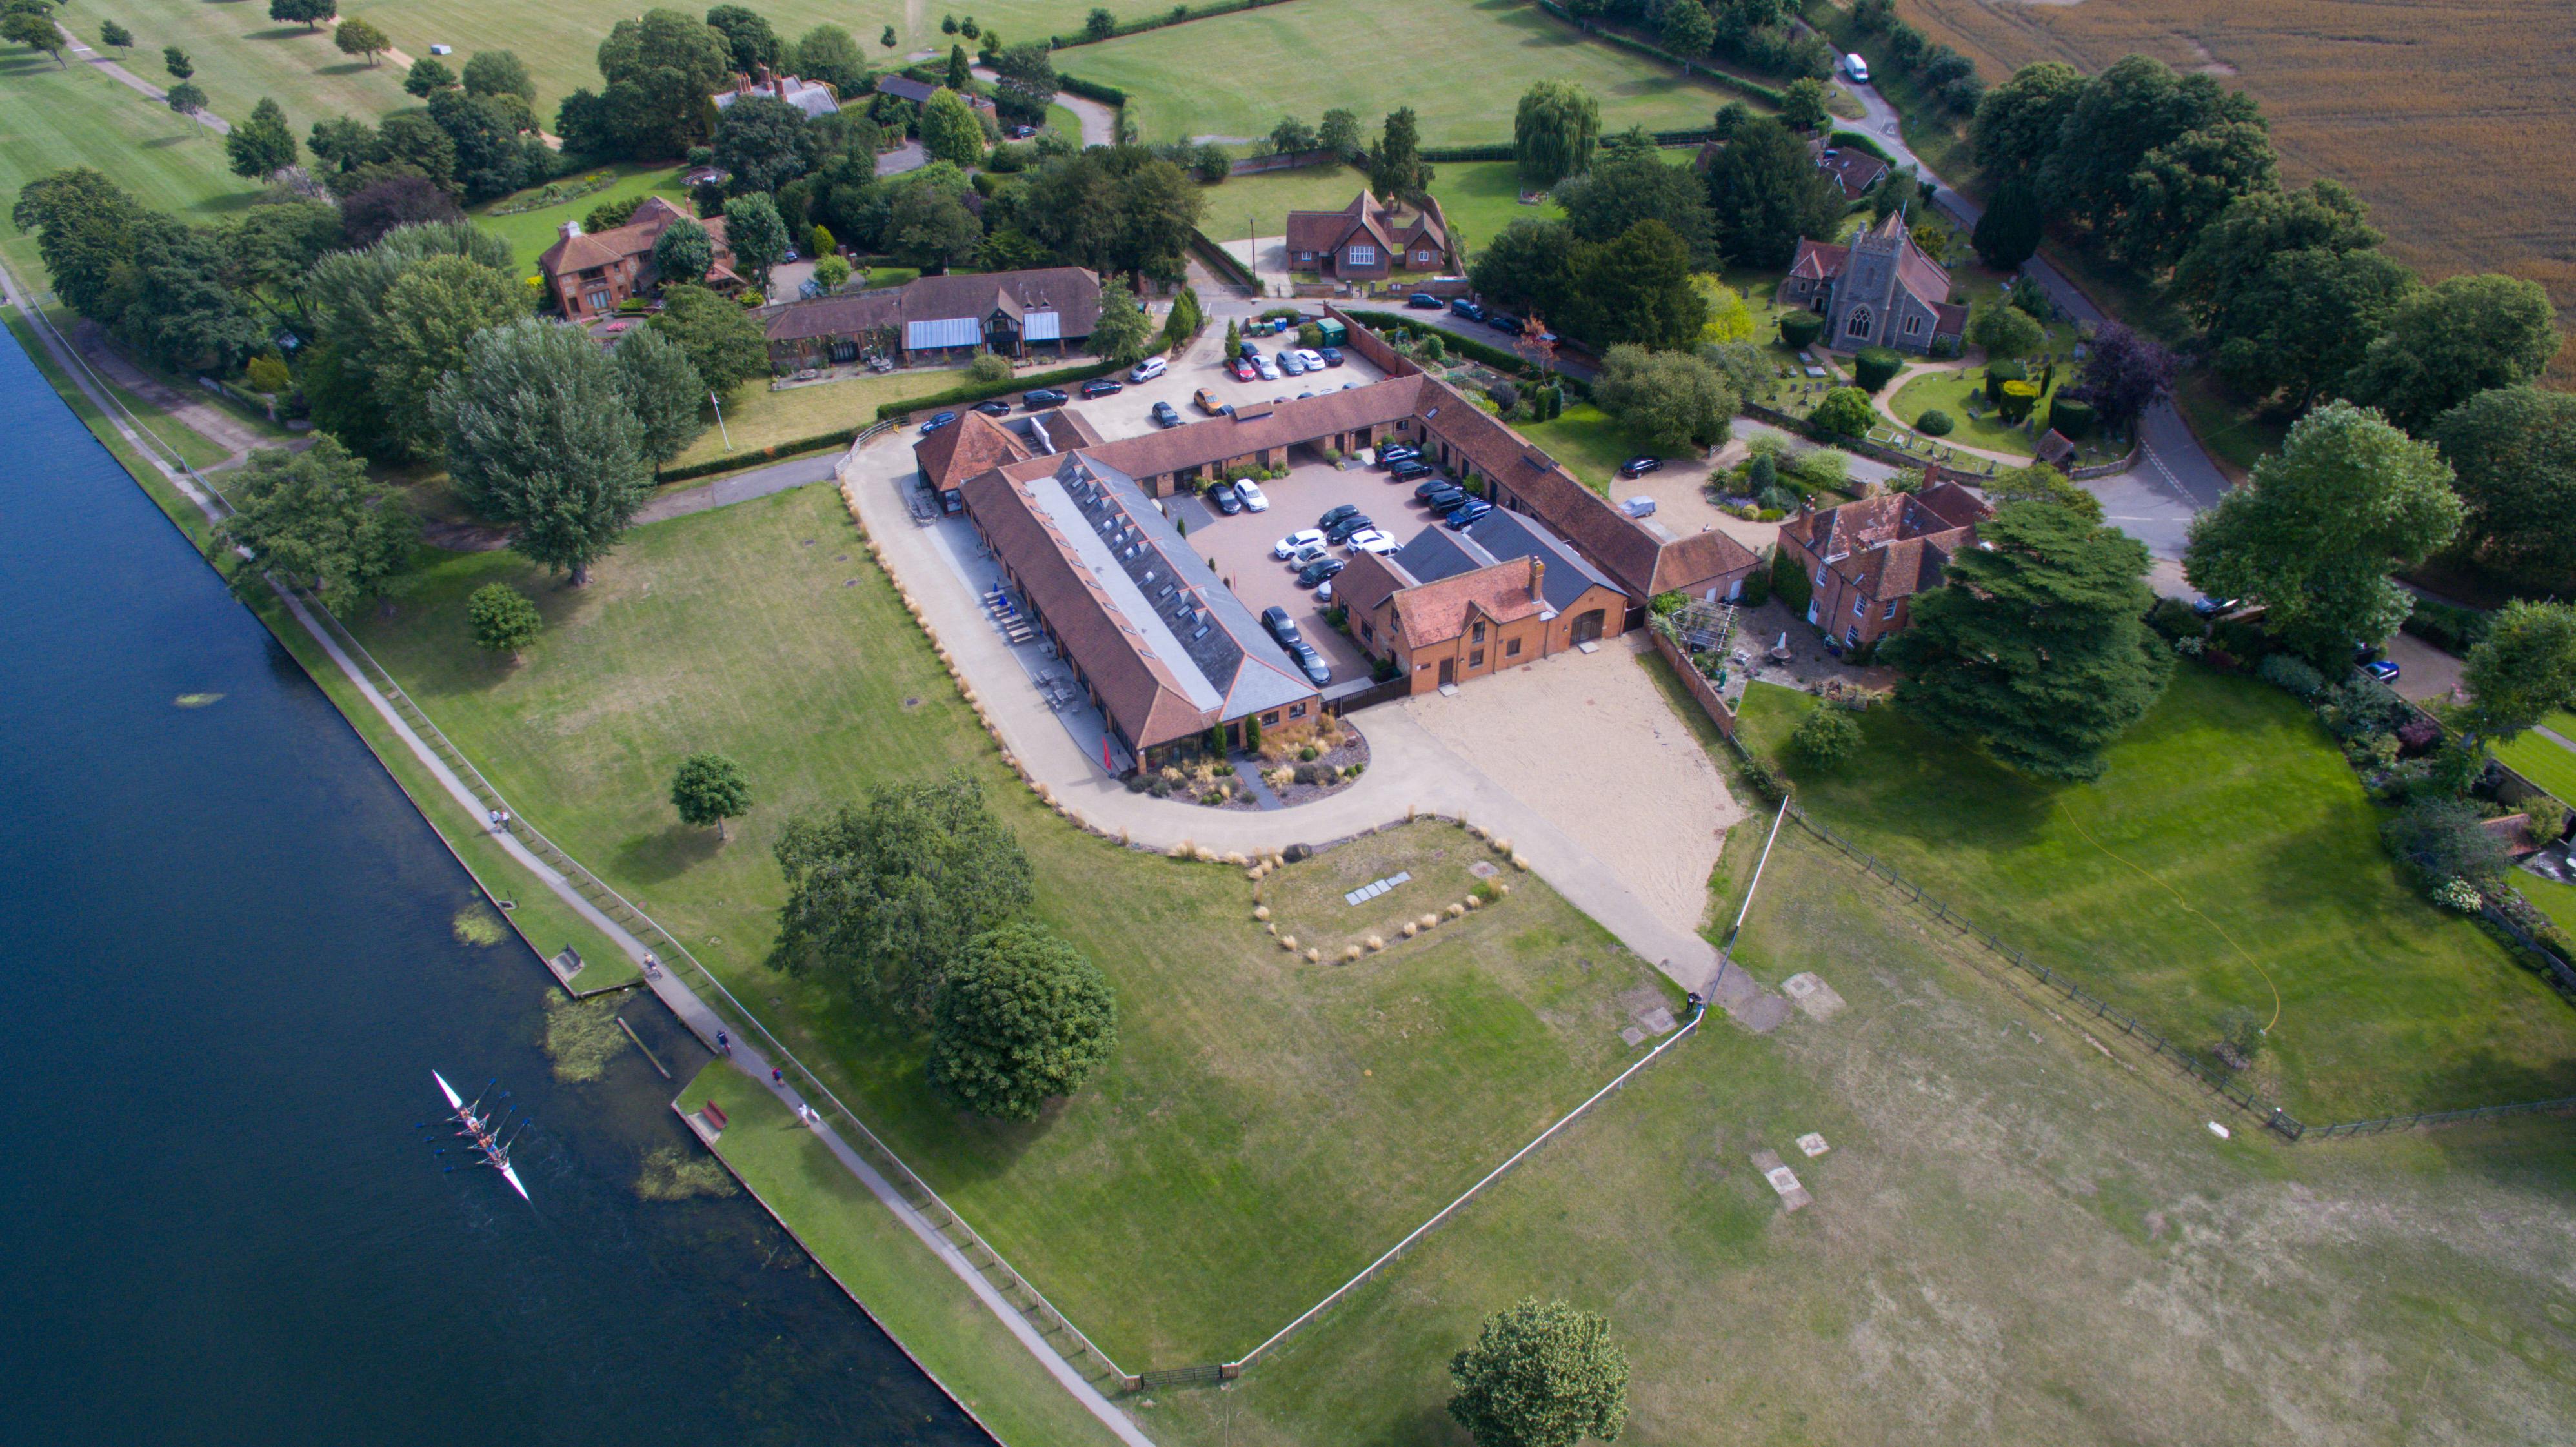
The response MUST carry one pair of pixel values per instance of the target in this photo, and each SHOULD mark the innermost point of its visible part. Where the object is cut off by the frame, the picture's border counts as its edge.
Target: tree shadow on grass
(282, 32)
(158, 142)
(351, 67)
(654, 858)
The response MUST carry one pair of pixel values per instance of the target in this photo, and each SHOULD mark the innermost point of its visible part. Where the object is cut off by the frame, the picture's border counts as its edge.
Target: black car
(1408, 470)
(1166, 415)
(1447, 497)
(1460, 306)
(1320, 572)
(1464, 516)
(1395, 452)
(1281, 626)
(994, 407)
(1639, 466)
(1334, 515)
(1225, 499)
(1102, 387)
(1043, 397)
(1423, 301)
(1503, 322)
(1311, 663)
(1332, 356)
(1436, 485)
(1340, 532)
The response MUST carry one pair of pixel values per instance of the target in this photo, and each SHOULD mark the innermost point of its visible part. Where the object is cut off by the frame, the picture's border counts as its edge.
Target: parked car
(1242, 370)
(1102, 387)
(1309, 555)
(1395, 452)
(1436, 485)
(1291, 363)
(1311, 663)
(942, 420)
(1226, 500)
(1281, 626)
(1503, 322)
(1444, 497)
(1313, 359)
(1252, 495)
(1640, 466)
(1343, 531)
(1409, 469)
(1247, 351)
(1166, 415)
(2208, 607)
(1319, 572)
(1465, 514)
(1370, 540)
(1043, 397)
(2381, 669)
(1148, 369)
(1268, 369)
(1423, 301)
(1856, 68)
(1287, 547)
(1460, 306)
(994, 407)
(1336, 514)
(1332, 356)
(1206, 401)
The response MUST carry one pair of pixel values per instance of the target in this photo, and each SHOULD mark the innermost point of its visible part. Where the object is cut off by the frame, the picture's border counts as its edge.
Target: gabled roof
(1819, 260)
(1253, 429)
(1895, 544)
(1853, 170)
(973, 443)
(585, 249)
(1069, 294)
(1439, 611)
(1321, 231)
(904, 87)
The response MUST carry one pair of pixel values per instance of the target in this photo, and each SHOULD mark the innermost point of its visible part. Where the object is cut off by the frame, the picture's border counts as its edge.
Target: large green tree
(758, 236)
(36, 32)
(1627, 185)
(309, 13)
(2180, 187)
(663, 391)
(2513, 453)
(2316, 531)
(659, 68)
(929, 226)
(748, 37)
(832, 55)
(2008, 231)
(721, 340)
(683, 253)
(1395, 165)
(761, 140)
(2523, 670)
(1529, 264)
(499, 72)
(1670, 402)
(1124, 331)
(538, 437)
(262, 144)
(360, 38)
(1554, 131)
(2121, 118)
(949, 130)
(1540, 1376)
(709, 788)
(432, 314)
(1637, 288)
(314, 521)
(2034, 646)
(1021, 1019)
(2446, 344)
(1766, 193)
(1025, 83)
(501, 619)
(2017, 123)
(882, 898)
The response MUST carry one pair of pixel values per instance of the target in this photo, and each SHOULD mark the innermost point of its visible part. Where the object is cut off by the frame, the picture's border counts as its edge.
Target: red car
(1242, 370)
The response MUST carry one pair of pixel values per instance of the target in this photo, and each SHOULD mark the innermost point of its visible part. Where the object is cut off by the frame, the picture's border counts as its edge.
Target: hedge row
(776, 450)
(1755, 89)
(969, 393)
(1508, 362)
(1174, 16)
(1220, 260)
(1502, 150)
(1090, 90)
(1855, 141)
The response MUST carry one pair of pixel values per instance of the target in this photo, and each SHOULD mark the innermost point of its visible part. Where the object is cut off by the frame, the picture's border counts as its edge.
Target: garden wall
(1700, 688)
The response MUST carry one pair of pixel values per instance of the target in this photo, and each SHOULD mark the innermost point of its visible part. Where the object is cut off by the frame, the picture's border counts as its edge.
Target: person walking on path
(777, 1077)
(724, 1047)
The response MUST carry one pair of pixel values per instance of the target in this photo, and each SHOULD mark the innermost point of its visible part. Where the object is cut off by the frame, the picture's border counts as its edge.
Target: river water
(228, 967)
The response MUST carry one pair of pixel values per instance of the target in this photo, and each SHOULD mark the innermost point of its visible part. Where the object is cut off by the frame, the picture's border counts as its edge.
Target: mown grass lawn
(531, 232)
(241, 55)
(1970, 1135)
(758, 418)
(1461, 64)
(2226, 858)
(1240, 206)
(1590, 442)
(2545, 761)
(51, 118)
(1268, 1126)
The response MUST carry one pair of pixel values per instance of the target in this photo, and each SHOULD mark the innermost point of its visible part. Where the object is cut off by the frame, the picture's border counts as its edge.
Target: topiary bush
(1998, 373)
(1875, 367)
(2071, 417)
(1844, 412)
(989, 367)
(2017, 400)
(1935, 423)
(1800, 329)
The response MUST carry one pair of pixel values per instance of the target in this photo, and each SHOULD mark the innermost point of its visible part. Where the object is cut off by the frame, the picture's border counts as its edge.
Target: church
(1881, 290)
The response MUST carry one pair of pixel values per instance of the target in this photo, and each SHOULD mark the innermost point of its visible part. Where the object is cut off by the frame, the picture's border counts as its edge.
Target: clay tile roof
(1819, 260)
(1921, 275)
(972, 444)
(1439, 611)
(1692, 563)
(1371, 579)
(1221, 439)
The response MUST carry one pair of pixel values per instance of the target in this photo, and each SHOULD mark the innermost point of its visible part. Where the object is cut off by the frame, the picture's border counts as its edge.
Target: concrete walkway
(739, 487)
(201, 415)
(1410, 772)
(683, 1001)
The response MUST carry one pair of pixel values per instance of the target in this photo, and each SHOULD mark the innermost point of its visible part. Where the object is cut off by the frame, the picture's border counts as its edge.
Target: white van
(1856, 68)
(1148, 369)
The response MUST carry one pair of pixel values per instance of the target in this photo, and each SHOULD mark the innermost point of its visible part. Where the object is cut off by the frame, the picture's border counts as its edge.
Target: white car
(1253, 497)
(1291, 545)
(1148, 369)
(1856, 68)
(1313, 359)
(1370, 540)
(1268, 369)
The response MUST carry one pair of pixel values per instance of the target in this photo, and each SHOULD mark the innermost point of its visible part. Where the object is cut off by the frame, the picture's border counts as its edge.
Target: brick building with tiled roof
(1450, 606)
(1366, 239)
(1882, 290)
(936, 318)
(1866, 560)
(591, 273)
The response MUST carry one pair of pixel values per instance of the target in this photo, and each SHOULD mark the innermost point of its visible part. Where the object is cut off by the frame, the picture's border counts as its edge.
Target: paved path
(1409, 771)
(740, 487)
(202, 415)
(105, 66)
(683, 1001)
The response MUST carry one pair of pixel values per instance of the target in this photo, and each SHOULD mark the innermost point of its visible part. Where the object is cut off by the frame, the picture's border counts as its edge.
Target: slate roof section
(1504, 534)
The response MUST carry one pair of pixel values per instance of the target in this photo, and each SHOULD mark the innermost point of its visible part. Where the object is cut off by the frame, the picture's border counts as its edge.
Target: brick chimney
(1538, 576)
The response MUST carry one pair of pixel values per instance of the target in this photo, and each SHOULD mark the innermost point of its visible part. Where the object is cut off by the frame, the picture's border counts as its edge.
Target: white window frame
(1860, 606)
(1890, 615)
(1363, 255)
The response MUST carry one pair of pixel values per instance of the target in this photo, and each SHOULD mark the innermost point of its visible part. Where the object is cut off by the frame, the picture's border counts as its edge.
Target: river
(228, 968)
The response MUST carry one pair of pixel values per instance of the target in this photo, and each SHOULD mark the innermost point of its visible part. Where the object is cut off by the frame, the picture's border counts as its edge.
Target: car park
(1166, 415)
(1336, 514)
(1148, 369)
(1281, 626)
(1291, 364)
(1423, 301)
(1252, 495)
(1640, 466)
(1343, 531)
(1330, 356)
(1460, 306)
(1268, 369)
(935, 423)
(1043, 397)
(1311, 663)
(994, 407)
(1287, 547)
(1225, 499)
(1320, 572)
(1102, 387)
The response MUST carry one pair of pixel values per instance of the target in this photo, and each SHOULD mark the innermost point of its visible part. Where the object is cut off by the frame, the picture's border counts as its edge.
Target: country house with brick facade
(1866, 560)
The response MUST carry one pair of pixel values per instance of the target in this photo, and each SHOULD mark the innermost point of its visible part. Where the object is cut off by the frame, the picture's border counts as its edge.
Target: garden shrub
(2247, 642)
(1789, 582)
(2440, 840)
(1800, 329)
(2017, 400)
(2547, 820)
(2072, 418)
(1766, 780)
(2418, 734)
(2173, 618)
(1757, 587)
(1998, 373)
(268, 374)
(1826, 736)
(2363, 706)
(2379, 751)
(1873, 367)
(1935, 423)
(2453, 630)
(1844, 412)
(1815, 468)
(2291, 675)
(989, 367)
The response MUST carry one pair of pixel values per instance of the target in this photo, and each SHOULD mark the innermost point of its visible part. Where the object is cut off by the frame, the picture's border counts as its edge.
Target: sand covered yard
(1587, 741)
